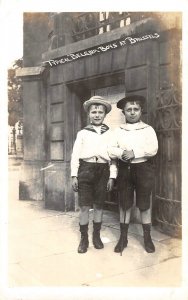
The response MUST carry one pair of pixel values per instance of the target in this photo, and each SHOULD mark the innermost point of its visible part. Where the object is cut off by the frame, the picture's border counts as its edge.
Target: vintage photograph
(95, 151)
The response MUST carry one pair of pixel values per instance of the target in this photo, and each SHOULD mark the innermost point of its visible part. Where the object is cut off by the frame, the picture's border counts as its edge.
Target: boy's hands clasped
(127, 155)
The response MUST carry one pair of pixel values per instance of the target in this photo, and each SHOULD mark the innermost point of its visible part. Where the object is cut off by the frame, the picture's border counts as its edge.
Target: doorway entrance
(112, 94)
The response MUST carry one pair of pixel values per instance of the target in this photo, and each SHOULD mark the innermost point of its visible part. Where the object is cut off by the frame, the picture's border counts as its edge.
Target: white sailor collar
(136, 126)
(103, 127)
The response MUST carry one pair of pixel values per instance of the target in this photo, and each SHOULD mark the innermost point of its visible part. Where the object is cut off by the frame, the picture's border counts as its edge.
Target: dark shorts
(92, 183)
(137, 177)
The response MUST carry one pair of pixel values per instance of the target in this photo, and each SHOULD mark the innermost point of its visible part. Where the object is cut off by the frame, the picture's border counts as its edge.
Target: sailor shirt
(139, 137)
(91, 146)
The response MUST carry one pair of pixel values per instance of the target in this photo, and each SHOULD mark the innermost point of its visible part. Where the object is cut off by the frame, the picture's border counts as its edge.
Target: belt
(95, 159)
(134, 161)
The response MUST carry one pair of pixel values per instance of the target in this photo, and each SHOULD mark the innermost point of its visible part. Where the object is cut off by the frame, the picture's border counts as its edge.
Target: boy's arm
(113, 175)
(114, 151)
(76, 155)
(113, 169)
(150, 145)
(109, 149)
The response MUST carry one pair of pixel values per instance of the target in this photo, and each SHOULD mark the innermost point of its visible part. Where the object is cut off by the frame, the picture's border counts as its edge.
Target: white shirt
(91, 146)
(139, 137)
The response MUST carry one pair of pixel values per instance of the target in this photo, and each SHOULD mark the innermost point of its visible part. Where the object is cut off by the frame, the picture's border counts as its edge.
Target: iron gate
(168, 185)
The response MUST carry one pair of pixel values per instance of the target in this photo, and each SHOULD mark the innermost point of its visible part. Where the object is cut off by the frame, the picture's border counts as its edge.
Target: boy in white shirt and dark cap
(134, 143)
(92, 170)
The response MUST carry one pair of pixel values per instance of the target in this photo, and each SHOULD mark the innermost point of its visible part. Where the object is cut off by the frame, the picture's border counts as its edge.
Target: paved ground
(43, 245)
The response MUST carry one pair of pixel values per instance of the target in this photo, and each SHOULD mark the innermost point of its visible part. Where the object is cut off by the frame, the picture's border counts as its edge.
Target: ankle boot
(84, 242)
(98, 244)
(149, 246)
(122, 243)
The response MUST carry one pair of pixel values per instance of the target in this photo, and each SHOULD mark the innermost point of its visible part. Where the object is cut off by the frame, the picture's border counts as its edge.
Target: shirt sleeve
(114, 151)
(113, 169)
(76, 155)
(149, 147)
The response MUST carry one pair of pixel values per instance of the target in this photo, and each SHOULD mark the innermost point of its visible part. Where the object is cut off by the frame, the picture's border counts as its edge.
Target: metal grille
(66, 28)
(93, 23)
(168, 185)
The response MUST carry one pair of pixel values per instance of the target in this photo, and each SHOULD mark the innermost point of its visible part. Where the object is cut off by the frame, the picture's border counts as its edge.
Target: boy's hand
(110, 184)
(75, 184)
(127, 155)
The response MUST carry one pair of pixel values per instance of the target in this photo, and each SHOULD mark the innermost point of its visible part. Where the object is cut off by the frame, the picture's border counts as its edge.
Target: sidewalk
(43, 250)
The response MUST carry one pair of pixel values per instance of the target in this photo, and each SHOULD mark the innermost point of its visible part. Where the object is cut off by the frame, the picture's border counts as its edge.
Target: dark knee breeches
(138, 177)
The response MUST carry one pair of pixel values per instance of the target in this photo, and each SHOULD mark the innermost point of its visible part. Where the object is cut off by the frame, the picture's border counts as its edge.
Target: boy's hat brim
(97, 100)
(121, 103)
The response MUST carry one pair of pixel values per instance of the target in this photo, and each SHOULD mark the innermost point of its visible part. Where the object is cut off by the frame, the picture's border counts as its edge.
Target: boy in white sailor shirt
(92, 170)
(134, 143)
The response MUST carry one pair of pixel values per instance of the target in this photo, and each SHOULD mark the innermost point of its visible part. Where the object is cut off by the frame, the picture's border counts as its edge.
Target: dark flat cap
(121, 103)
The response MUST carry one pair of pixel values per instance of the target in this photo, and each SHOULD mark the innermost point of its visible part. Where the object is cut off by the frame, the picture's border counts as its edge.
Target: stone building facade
(70, 56)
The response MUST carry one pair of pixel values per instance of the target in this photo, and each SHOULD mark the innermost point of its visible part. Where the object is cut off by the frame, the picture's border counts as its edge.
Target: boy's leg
(124, 225)
(85, 196)
(84, 215)
(144, 186)
(146, 224)
(84, 221)
(100, 193)
(97, 222)
(97, 213)
(145, 213)
(125, 215)
(126, 197)
(146, 216)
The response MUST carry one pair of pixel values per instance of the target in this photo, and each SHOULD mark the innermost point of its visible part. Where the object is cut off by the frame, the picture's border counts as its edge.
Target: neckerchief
(90, 127)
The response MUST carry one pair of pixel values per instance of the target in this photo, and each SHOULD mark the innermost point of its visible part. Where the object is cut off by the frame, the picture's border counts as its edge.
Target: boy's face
(96, 114)
(132, 111)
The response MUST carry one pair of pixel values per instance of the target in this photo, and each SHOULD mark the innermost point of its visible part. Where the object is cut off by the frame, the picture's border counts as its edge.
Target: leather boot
(98, 244)
(84, 242)
(122, 243)
(149, 246)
